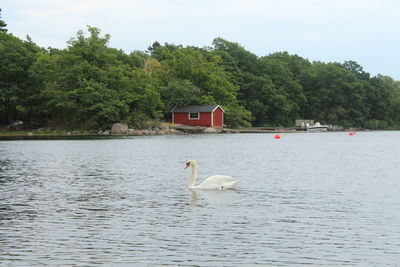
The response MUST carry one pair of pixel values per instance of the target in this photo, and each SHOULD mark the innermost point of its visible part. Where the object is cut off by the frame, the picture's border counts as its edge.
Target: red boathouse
(209, 116)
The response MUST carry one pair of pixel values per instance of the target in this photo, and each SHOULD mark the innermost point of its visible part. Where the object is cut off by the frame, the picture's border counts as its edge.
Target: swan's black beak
(187, 165)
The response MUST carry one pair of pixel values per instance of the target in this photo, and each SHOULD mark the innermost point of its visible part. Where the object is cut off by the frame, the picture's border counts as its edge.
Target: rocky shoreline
(120, 129)
(164, 129)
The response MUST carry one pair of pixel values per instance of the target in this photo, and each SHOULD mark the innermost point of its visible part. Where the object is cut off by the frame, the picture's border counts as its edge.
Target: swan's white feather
(214, 182)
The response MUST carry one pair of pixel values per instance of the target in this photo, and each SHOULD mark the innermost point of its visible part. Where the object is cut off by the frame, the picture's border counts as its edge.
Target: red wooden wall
(206, 119)
(183, 118)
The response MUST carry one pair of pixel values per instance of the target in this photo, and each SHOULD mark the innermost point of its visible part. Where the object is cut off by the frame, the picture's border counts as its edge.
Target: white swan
(219, 182)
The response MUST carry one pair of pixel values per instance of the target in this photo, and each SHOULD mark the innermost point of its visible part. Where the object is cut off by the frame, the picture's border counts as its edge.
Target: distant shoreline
(77, 135)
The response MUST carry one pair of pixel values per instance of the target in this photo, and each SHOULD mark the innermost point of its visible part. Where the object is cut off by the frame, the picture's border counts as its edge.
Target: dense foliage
(91, 85)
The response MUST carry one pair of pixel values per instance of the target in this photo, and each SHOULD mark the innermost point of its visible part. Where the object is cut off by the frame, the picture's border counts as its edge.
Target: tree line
(90, 85)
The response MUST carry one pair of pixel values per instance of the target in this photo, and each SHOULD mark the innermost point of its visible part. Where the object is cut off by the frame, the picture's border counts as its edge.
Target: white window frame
(195, 119)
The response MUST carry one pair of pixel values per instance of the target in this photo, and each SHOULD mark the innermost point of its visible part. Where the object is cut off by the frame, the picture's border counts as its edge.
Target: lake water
(322, 199)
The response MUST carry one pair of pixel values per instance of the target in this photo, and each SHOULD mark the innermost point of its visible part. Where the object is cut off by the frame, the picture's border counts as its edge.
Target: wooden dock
(266, 130)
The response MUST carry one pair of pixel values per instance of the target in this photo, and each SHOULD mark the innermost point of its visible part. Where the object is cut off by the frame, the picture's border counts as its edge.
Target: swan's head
(190, 163)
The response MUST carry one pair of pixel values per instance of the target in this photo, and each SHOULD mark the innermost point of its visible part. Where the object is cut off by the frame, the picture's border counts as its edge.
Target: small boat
(317, 127)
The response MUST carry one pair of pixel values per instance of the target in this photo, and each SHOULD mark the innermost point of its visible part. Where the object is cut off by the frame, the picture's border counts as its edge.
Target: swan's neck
(193, 177)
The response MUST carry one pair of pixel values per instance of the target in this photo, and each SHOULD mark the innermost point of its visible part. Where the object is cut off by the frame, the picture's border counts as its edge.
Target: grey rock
(164, 127)
(210, 130)
(119, 128)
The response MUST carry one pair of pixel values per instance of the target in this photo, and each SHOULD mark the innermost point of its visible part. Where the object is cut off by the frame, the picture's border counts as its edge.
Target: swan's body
(219, 182)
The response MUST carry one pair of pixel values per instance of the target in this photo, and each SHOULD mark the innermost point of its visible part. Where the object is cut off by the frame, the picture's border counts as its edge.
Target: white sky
(366, 31)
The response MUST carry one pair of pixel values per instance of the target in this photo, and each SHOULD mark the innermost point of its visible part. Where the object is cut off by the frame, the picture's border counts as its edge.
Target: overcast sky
(366, 31)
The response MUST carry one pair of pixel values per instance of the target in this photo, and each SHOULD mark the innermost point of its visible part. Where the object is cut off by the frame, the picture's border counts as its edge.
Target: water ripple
(125, 201)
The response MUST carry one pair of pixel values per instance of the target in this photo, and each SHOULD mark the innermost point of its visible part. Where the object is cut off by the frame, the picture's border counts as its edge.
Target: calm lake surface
(323, 199)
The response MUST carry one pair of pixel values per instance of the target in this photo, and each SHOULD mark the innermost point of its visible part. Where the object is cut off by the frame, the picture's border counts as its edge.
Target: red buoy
(352, 133)
(277, 136)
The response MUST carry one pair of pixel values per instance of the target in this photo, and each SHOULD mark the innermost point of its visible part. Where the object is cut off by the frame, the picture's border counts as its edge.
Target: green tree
(3, 25)
(296, 64)
(244, 59)
(335, 95)
(286, 95)
(180, 93)
(17, 56)
(383, 99)
(205, 73)
(91, 85)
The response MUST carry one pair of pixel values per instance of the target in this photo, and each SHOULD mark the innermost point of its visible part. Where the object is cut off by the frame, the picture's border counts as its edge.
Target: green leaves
(2, 25)
(180, 93)
(329, 86)
(196, 76)
(91, 85)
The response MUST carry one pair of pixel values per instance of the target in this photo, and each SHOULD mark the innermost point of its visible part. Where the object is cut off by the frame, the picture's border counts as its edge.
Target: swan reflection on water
(212, 197)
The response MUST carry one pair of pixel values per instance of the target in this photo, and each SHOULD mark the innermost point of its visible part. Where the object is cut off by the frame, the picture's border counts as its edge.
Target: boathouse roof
(195, 109)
